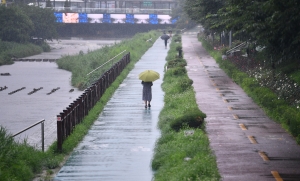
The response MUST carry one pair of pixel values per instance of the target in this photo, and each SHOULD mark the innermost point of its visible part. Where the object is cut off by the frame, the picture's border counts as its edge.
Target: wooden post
(59, 133)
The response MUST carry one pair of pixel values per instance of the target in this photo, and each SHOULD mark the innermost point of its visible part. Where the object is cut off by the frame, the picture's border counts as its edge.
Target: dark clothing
(165, 38)
(147, 92)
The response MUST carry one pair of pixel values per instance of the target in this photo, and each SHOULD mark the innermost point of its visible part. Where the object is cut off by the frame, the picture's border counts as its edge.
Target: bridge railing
(112, 10)
(75, 113)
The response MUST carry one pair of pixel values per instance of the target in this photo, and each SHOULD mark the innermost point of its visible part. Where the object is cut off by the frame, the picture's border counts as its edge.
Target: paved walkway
(120, 144)
(247, 144)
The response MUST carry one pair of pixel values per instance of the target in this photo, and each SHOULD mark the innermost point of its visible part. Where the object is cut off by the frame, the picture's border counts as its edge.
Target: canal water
(20, 110)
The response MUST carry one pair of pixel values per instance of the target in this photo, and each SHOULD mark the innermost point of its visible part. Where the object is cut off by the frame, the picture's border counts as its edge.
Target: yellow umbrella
(149, 76)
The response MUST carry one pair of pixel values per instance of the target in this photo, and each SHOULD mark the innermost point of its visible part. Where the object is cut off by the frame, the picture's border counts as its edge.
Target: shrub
(224, 50)
(294, 126)
(185, 84)
(178, 71)
(177, 38)
(298, 139)
(192, 118)
(178, 62)
(179, 48)
(249, 82)
(289, 115)
(45, 47)
(239, 77)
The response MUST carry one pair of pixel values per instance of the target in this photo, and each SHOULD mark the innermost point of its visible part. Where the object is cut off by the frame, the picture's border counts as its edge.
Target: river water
(19, 110)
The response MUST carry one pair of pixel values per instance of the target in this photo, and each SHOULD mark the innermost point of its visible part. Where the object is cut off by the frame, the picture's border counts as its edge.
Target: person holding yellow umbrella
(147, 78)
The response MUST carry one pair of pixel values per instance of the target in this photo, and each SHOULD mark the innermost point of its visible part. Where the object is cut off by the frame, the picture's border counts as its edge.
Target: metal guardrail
(75, 113)
(105, 63)
(236, 47)
(42, 131)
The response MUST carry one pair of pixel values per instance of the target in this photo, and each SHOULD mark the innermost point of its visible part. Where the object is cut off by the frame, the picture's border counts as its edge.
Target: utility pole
(230, 38)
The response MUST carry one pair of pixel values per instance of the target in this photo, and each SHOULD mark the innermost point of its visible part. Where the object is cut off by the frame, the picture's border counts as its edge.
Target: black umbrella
(164, 37)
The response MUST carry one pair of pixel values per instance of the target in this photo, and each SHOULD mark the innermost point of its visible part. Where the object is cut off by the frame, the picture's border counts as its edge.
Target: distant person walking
(147, 93)
(165, 37)
(170, 33)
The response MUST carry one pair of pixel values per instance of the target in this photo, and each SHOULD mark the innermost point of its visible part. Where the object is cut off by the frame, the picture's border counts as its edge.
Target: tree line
(21, 23)
(272, 24)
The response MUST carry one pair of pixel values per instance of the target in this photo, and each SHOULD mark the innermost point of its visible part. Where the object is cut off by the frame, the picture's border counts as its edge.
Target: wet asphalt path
(247, 144)
(120, 144)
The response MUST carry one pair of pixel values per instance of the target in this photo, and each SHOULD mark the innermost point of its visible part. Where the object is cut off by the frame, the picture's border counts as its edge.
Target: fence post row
(75, 113)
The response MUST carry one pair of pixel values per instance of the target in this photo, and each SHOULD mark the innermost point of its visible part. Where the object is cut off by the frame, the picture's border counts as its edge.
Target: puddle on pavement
(215, 76)
(227, 92)
(256, 126)
(249, 117)
(243, 108)
(232, 100)
(224, 89)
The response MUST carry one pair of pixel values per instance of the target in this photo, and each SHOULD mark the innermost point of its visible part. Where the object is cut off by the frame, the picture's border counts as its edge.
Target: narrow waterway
(21, 109)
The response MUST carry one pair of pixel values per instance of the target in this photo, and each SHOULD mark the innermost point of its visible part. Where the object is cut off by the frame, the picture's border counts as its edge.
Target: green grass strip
(182, 153)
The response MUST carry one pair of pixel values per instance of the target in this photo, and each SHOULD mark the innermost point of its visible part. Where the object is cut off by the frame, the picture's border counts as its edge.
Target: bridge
(111, 18)
(119, 18)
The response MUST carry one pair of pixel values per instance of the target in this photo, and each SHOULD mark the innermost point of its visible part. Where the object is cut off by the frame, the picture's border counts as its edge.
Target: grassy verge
(182, 152)
(10, 50)
(277, 109)
(19, 161)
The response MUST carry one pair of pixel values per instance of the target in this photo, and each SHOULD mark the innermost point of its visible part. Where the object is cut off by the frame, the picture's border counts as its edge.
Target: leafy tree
(283, 35)
(44, 22)
(15, 25)
(204, 12)
(183, 20)
(270, 23)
